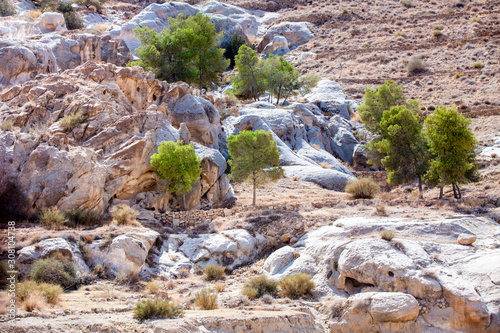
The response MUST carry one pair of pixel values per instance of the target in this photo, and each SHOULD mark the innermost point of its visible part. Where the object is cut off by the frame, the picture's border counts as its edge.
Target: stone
(285, 238)
(50, 22)
(393, 307)
(466, 239)
(297, 33)
(279, 260)
(278, 46)
(330, 98)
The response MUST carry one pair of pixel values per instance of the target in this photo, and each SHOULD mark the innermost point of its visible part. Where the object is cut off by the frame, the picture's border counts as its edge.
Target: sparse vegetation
(54, 272)
(72, 121)
(48, 292)
(296, 286)
(80, 217)
(206, 299)
(123, 214)
(157, 308)
(477, 65)
(52, 218)
(153, 287)
(458, 75)
(407, 4)
(400, 34)
(214, 272)
(416, 65)
(260, 285)
(7, 8)
(380, 210)
(7, 126)
(362, 188)
(388, 235)
(437, 33)
(95, 3)
(220, 287)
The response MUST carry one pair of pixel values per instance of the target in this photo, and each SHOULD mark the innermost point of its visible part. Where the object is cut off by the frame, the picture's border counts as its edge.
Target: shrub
(380, 210)
(296, 285)
(407, 4)
(220, 287)
(52, 218)
(78, 217)
(153, 287)
(437, 33)
(7, 8)
(72, 121)
(206, 299)
(157, 308)
(477, 64)
(49, 292)
(260, 285)
(6, 125)
(87, 3)
(34, 301)
(416, 65)
(54, 272)
(400, 34)
(73, 21)
(387, 234)
(123, 214)
(362, 188)
(214, 272)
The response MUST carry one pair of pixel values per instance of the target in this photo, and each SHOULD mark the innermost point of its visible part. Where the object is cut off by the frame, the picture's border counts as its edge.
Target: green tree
(404, 146)
(376, 101)
(187, 50)
(280, 77)
(179, 165)
(232, 48)
(249, 83)
(452, 143)
(254, 158)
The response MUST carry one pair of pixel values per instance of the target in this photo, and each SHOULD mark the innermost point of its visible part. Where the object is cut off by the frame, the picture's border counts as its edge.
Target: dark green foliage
(296, 286)
(281, 78)
(249, 83)
(78, 217)
(54, 271)
(87, 3)
(73, 20)
(232, 48)
(188, 50)
(7, 8)
(178, 164)
(254, 158)
(404, 146)
(452, 143)
(259, 286)
(157, 308)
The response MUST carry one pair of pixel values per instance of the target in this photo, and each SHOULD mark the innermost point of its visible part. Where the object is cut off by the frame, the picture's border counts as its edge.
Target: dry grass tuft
(52, 218)
(296, 286)
(220, 287)
(157, 308)
(206, 299)
(214, 272)
(362, 188)
(388, 235)
(258, 286)
(124, 215)
(153, 287)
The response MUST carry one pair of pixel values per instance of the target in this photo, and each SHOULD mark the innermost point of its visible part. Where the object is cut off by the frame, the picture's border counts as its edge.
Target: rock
(106, 157)
(327, 178)
(17, 64)
(329, 97)
(278, 46)
(466, 239)
(279, 260)
(127, 253)
(50, 22)
(297, 33)
(393, 307)
(285, 238)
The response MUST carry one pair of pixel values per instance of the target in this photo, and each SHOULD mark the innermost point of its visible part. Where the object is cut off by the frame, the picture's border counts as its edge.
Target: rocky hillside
(78, 128)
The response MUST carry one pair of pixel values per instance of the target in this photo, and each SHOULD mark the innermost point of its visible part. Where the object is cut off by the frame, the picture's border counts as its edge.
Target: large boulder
(106, 157)
(420, 280)
(329, 97)
(297, 33)
(50, 22)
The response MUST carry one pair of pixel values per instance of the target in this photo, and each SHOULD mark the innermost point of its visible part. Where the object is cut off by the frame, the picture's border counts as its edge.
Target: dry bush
(206, 299)
(230, 99)
(416, 65)
(157, 308)
(220, 287)
(71, 121)
(362, 188)
(153, 287)
(52, 218)
(437, 33)
(258, 286)
(80, 217)
(34, 302)
(388, 235)
(98, 270)
(380, 210)
(184, 272)
(7, 8)
(170, 284)
(130, 278)
(296, 285)
(88, 239)
(400, 34)
(214, 272)
(103, 26)
(124, 215)
(53, 271)
(477, 64)
(35, 13)
(7, 126)
(49, 292)
(267, 299)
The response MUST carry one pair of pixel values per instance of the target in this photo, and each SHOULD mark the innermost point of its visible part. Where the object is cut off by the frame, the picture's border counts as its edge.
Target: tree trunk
(455, 194)
(279, 95)
(440, 192)
(420, 187)
(458, 192)
(254, 190)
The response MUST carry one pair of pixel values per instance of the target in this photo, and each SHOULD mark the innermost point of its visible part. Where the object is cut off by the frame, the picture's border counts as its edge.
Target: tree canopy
(452, 143)
(254, 157)
(178, 164)
(188, 50)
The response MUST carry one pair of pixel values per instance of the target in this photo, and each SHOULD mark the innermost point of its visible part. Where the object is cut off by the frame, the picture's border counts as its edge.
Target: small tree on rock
(254, 158)
(179, 165)
(249, 83)
(452, 143)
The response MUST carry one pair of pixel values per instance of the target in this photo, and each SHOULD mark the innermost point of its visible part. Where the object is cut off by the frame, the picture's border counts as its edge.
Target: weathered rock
(279, 260)
(278, 46)
(50, 22)
(466, 239)
(297, 33)
(329, 97)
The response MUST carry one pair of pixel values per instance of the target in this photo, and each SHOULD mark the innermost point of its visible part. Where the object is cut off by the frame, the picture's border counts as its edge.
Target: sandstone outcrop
(297, 33)
(105, 156)
(421, 279)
